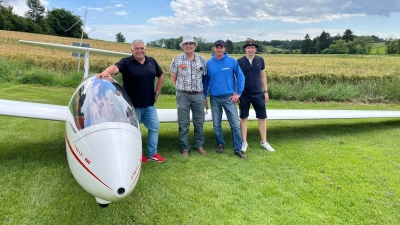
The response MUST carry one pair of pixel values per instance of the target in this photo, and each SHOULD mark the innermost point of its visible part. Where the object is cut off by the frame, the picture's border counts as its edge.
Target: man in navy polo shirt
(255, 93)
(138, 75)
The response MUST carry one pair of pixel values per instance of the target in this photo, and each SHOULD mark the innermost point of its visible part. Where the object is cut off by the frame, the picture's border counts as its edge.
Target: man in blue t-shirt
(255, 93)
(138, 75)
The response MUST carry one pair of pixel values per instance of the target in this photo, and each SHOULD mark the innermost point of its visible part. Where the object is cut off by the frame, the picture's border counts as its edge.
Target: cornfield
(347, 67)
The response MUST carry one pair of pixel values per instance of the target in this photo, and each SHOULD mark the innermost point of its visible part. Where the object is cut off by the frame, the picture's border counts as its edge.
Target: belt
(192, 92)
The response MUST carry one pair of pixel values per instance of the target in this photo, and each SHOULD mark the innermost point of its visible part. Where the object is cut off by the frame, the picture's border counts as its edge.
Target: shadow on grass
(331, 128)
(278, 131)
(46, 153)
(51, 150)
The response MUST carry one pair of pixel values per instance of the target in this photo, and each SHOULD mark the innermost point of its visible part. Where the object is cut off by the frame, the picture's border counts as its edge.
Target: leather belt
(192, 92)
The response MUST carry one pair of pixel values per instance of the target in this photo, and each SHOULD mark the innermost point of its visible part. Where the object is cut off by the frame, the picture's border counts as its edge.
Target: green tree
(238, 49)
(315, 44)
(377, 39)
(337, 37)
(324, 41)
(173, 43)
(36, 10)
(306, 45)
(391, 45)
(5, 13)
(229, 46)
(120, 37)
(295, 44)
(352, 47)
(201, 44)
(286, 45)
(363, 44)
(275, 43)
(348, 35)
(340, 47)
(398, 46)
(260, 48)
(64, 23)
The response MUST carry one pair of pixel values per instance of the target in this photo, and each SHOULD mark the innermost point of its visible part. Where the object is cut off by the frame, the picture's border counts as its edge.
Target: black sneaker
(241, 155)
(220, 149)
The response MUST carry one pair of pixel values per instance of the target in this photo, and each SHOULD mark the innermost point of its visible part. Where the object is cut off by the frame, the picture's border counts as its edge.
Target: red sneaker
(157, 158)
(144, 159)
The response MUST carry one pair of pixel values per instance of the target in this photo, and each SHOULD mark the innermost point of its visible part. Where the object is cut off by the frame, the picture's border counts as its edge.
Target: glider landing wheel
(103, 205)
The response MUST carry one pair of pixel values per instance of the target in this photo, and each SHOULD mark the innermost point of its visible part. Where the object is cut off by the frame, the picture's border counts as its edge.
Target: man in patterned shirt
(187, 73)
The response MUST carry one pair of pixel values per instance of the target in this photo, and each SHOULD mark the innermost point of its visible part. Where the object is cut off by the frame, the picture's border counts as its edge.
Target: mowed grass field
(378, 49)
(323, 171)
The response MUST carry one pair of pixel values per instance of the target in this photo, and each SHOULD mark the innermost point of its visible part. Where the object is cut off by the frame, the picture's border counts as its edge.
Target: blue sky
(230, 19)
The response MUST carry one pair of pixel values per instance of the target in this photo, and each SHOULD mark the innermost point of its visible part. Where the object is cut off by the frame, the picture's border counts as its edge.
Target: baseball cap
(219, 42)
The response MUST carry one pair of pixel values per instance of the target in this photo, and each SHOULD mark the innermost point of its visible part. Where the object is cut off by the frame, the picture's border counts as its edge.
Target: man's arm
(264, 84)
(108, 72)
(160, 81)
(173, 79)
(239, 78)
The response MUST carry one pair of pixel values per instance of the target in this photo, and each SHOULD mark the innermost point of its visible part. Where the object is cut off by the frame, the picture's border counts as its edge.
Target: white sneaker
(244, 146)
(267, 146)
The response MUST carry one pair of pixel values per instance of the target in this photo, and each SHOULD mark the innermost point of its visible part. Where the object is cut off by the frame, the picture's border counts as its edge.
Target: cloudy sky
(230, 19)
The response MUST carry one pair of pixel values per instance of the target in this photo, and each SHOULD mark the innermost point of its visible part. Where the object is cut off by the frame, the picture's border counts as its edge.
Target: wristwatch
(156, 94)
(265, 92)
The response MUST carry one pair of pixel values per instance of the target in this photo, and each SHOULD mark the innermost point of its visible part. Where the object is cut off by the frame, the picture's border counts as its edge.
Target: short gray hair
(137, 41)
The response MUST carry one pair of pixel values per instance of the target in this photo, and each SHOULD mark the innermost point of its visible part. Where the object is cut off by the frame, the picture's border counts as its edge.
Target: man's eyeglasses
(140, 48)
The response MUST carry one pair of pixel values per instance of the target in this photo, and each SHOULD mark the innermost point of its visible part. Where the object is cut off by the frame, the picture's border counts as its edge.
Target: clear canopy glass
(100, 101)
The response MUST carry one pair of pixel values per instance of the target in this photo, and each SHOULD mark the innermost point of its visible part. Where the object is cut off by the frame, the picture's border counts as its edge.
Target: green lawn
(323, 172)
(378, 49)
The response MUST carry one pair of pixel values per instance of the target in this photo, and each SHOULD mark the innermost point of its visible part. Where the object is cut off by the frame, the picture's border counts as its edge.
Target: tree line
(347, 43)
(231, 47)
(58, 22)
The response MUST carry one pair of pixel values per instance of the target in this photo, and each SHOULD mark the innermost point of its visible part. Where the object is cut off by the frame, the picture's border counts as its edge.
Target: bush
(168, 88)
(5, 70)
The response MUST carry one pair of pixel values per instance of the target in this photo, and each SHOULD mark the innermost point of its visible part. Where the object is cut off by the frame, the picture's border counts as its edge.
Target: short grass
(378, 49)
(323, 172)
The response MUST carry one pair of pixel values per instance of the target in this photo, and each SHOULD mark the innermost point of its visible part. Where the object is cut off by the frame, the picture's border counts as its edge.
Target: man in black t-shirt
(138, 75)
(255, 93)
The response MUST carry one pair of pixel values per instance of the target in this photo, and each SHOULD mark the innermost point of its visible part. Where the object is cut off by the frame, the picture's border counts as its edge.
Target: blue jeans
(217, 103)
(148, 116)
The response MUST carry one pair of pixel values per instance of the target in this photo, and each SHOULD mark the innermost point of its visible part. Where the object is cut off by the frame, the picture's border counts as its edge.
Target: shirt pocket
(200, 72)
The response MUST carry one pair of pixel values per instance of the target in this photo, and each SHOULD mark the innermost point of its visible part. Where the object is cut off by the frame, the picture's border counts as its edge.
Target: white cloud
(189, 13)
(88, 29)
(95, 8)
(20, 7)
(121, 13)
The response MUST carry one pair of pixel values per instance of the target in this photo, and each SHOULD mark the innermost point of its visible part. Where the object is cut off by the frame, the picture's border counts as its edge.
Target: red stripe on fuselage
(87, 169)
(137, 175)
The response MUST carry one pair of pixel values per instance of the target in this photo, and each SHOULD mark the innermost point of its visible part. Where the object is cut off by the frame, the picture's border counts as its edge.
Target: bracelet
(265, 92)
(156, 94)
